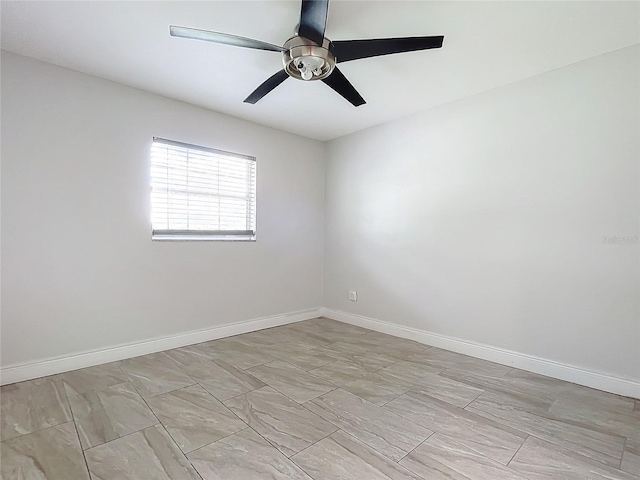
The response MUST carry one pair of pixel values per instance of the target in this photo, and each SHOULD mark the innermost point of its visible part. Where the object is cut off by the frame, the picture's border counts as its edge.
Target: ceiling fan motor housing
(304, 60)
(309, 55)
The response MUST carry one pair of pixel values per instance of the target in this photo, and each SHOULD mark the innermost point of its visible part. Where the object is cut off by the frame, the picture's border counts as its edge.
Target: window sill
(202, 238)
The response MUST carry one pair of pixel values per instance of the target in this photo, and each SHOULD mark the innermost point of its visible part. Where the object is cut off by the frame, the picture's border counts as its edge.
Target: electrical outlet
(353, 295)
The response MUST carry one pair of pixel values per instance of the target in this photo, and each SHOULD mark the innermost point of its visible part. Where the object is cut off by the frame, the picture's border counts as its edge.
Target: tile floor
(315, 400)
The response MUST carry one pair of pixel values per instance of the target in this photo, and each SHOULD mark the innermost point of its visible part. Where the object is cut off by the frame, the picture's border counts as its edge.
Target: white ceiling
(487, 45)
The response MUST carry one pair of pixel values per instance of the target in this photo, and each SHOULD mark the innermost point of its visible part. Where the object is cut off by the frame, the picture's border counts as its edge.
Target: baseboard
(569, 373)
(28, 371)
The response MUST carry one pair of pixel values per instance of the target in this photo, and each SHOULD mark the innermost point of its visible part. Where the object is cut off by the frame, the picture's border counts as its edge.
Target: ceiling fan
(309, 55)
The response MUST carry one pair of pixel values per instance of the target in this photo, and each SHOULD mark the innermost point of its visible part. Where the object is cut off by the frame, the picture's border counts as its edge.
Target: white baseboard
(28, 371)
(569, 373)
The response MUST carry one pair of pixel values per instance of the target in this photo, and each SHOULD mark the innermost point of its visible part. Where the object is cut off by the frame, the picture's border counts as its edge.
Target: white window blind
(201, 193)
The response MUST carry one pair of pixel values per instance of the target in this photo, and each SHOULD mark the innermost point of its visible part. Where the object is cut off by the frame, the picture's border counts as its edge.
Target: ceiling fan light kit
(310, 56)
(304, 60)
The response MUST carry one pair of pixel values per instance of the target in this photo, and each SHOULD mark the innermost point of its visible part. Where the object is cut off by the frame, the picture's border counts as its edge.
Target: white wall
(79, 269)
(483, 219)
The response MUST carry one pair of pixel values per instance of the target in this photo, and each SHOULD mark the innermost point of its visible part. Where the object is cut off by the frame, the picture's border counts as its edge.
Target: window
(199, 193)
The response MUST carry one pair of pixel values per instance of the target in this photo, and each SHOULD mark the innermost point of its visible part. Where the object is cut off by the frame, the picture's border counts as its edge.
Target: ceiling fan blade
(224, 38)
(269, 84)
(313, 20)
(340, 84)
(347, 50)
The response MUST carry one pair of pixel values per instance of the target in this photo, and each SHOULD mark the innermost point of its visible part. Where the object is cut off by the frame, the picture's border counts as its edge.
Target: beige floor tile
(193, 417)
(287, 335)
(244, 455)
(377, 343)
(235, 352)
(531, 389)
(490, 438)
(110, 413)
(147, 454)
(382, 339)
(194, 362)
(371, 362)
(329, 329)
(304, 358)
(27, 407)
(342, 457)
(357, 380)
(441, 458)
(597, 445)
(94, 378)
(597, 415)
(50, 454)
(154, 374)
(433, 384)
(343, 402)
(539, 460)
(220, 378)
(591, 399)
(630, 463)
(446, 360)
(382, 430)
(284, 423)
(340, 371)
(291, 381)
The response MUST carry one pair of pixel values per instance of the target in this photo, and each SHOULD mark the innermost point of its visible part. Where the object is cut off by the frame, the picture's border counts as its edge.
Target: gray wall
(79, 269)
(483, 219)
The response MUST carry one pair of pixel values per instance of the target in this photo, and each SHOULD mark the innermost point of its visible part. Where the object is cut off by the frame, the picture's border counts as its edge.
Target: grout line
(304, 404)
(516, 452)
(35, 431)
(361, 441)
(317, 441)
(357, 440)
(75, 426)
(180, 450)
(302, 469)
(178, 366)
(414, 448)
(297, 403)
(382, 368)
(268, 441)
(216, 441)
(474, 400)
(565, 449)
(169, 433)
(96, 391)
(228, 398)
(258, 433)
(393, 400)
(315, 376)
(66, 399)
(469, 403)
(624, 447)
(124, 436)
(156, 417)
(323, 366)
(127, 375)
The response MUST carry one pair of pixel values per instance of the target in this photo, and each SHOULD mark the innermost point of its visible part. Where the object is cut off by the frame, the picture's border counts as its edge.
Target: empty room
(320, 240)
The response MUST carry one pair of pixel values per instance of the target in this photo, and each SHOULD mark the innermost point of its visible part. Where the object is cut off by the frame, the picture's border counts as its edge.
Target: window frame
(164, 235)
